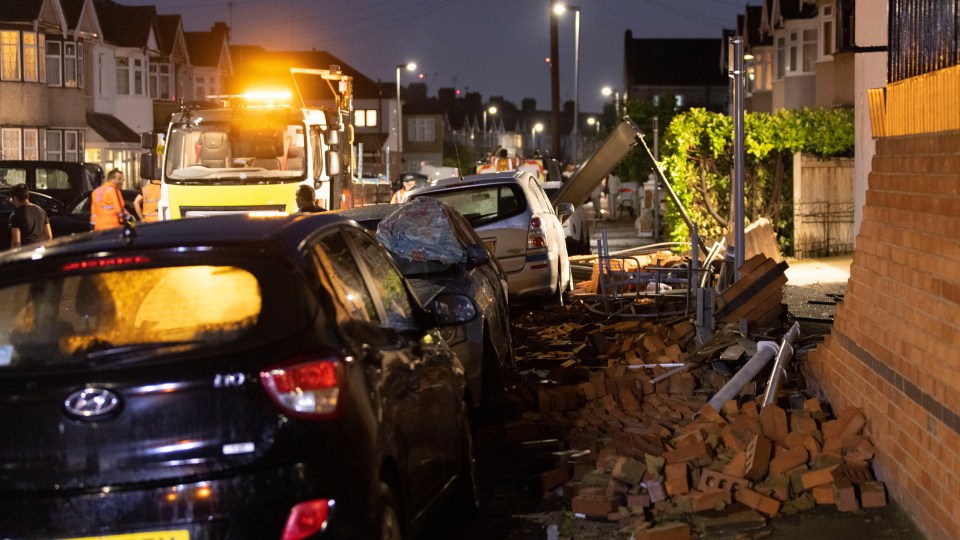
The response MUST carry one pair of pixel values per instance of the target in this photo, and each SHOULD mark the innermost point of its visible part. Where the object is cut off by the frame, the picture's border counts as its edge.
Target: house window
(781, 57)
(31, 144)
(809, 49)
(54, 145)
(31, 72)
(54, 61)
(71, 146)
(10, 55)
(365, 118)
(41, 49)
(138, 76)
(159, 80)
(794, 52)
(70, 65)
(421, 130)
(826, 29)
(10, 143)
(123, 76)
(198, 89)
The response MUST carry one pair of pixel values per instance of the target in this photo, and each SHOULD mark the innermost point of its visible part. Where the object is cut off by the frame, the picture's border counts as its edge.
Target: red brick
(757, 458)
(676, 482)
(797, 438)
(697, 454)
(873, 495)
(593, 505)
(817, 477)
(845, 497)
(710, 479)
(786, 461)
(757, 501)
(773, 419)
(554, 478)
(824, 494)
(667, 531)
(710, 499)
(638, 501)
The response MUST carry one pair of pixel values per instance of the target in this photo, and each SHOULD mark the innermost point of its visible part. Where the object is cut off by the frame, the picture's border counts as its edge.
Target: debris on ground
(617, 412)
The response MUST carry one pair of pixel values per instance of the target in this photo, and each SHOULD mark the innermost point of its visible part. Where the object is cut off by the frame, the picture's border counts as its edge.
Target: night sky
(495, 47)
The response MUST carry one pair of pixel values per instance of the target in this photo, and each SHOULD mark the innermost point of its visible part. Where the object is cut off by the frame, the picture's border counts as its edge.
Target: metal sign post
(735, 51)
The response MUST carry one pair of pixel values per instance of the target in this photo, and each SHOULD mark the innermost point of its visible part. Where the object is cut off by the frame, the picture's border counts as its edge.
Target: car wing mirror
(477, 255)
(565, 209)
(453, 309)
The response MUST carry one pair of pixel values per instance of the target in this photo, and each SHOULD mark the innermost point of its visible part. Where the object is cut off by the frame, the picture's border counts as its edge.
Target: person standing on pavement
(147, 203)
(307, 200)
(28, 222)
(409, 182)
(595, 198)
(613, 195)
(106, 203)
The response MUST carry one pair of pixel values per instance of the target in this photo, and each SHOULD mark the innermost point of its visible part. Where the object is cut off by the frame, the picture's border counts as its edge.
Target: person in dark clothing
(307, 200)
(28, 222)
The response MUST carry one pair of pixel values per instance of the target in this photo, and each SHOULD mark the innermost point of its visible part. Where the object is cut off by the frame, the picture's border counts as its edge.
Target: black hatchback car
(225, 378)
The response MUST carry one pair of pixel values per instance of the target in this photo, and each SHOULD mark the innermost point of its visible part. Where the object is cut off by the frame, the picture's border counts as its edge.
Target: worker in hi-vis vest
(147, 202)
(106, 203)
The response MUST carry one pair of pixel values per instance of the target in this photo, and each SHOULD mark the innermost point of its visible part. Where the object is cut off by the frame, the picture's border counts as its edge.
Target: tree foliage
(698, 161)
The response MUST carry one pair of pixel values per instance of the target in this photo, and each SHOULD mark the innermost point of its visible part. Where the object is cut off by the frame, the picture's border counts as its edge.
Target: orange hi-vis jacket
(106, 207)
(151, 202)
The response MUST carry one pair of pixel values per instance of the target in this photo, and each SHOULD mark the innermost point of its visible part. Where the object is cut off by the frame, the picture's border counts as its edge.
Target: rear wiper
(99, 350)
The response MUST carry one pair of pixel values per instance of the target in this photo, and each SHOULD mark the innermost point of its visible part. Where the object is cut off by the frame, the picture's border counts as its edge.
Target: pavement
(801, 272)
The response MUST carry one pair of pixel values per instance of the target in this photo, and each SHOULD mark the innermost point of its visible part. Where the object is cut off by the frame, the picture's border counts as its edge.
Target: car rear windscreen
(78, 317)
(484, 204)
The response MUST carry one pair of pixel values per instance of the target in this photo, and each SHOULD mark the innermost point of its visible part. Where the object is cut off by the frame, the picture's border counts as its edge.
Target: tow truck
(250, 152)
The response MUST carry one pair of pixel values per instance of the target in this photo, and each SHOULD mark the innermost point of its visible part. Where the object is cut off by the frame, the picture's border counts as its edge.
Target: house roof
(256, 62)
(673, 62)
(111, 128)
(205, 48)
(750, 26)
(167, 26)
(126, 26)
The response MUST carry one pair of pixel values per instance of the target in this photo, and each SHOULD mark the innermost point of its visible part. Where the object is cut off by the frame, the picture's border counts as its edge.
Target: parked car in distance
(514, 218)
(440, 253)
(233, 377)
(576, 227)
(50, 205)
(75, 218)
(62, 180)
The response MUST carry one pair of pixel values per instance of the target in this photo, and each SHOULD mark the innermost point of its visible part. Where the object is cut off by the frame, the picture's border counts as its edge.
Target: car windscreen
(484, 204)
(72, 318)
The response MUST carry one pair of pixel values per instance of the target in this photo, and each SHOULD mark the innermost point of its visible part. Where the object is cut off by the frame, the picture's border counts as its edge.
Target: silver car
(517, 223)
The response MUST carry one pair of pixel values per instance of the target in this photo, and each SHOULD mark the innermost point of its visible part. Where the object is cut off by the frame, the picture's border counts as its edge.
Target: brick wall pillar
(895, 347)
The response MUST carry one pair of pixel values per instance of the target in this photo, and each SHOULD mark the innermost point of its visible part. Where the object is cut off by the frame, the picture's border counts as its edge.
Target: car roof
(473, 180)
(366, 213)
(236, 230)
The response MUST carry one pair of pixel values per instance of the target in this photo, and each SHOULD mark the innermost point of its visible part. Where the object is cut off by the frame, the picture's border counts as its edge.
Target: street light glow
(538, 127)
(591, 121)
(411, 66)
(492, 110)
(606, 90)
(559, 8)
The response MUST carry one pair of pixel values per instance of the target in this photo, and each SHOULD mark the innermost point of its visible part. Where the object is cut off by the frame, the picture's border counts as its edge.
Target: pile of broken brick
(656, 457)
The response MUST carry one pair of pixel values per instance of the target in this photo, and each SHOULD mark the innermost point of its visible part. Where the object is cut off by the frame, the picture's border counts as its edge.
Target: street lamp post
(409, 66)
(538, 127)
(559, 8)
(594, 122)
(606, 90)
(492, 110)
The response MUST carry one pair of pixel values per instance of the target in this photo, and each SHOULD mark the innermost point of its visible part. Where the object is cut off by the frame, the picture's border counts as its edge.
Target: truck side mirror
(148, 140)
(332, 163)
(331, 136)
(149, 168)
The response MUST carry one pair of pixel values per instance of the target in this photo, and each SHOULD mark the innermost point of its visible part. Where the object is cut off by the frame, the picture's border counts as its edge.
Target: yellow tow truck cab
(249, 153)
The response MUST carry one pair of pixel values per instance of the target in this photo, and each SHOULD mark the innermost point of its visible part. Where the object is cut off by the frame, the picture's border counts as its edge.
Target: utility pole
(554, 85)
(736, 52)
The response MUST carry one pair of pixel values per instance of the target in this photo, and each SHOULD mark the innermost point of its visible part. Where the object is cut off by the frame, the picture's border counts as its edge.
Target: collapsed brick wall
(894, 351)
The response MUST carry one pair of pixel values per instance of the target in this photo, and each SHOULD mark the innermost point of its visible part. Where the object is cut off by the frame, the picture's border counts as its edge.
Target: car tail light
(307, 518)
(306, 387)
(536, 238)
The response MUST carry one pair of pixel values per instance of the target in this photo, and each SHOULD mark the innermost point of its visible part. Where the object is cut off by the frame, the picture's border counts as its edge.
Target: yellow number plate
(155, 535)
